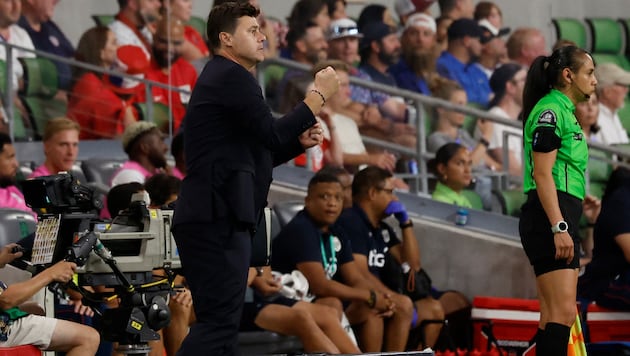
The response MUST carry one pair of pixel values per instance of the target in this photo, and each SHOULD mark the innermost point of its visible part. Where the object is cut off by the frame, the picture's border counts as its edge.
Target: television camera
(119, 256)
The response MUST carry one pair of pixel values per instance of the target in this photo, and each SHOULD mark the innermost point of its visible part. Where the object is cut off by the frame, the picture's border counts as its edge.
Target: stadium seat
(470, 122)
(625, 23)
(473, 198)
(287, 210)
(15, 224)
(607, 41)
(40, 87)
(511, 201)
(103, 20)
(160, 114)
(100, 170)
(198, 24)
(570, 29)
(598, 169)
(20, 131)
(23, 350)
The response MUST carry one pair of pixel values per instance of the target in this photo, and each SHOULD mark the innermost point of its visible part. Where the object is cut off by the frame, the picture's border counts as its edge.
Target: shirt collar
(563, 99)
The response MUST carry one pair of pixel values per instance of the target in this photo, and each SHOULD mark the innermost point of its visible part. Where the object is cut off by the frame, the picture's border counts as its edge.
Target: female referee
(556, 156)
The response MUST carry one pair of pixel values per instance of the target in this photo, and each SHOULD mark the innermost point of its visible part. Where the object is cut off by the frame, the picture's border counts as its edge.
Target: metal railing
(419, 101)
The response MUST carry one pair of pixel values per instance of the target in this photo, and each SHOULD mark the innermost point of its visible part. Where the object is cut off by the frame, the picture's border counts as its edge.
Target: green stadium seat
(511, 201)
(198, 24)
(607, 38)
(38, 93)
(598, 169)
(473, 198)
(570, 29)
(596, 189)
(160, 114)
(103, 20)
(470, 122)
(20, 131)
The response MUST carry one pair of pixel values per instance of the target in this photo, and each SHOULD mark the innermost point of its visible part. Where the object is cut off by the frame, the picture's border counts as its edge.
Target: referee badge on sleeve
(547, 117)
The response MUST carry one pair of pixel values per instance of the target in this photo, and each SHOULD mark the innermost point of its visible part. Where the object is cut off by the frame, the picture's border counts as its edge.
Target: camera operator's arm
(7, 256)
(17, 293)
(79, 307)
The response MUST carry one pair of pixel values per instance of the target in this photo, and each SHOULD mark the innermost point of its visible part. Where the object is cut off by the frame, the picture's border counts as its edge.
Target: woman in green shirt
(452, 166)
(555, 161)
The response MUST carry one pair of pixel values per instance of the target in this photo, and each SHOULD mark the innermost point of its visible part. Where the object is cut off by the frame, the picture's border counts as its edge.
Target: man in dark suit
(231, 143)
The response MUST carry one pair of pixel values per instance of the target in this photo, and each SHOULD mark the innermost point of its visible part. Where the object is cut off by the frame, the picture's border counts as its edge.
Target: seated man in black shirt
(371, 238)
(311, 245)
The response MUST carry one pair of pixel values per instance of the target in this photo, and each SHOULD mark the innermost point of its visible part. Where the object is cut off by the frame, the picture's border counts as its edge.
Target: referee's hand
(564, 246)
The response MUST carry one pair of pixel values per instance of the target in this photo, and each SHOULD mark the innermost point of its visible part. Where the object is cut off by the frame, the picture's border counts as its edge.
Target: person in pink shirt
(10, 195)
(144, 144)
(177, 150)
(61, 147)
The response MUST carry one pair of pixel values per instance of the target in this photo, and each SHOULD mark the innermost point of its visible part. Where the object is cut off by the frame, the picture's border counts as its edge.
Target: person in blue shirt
(371, 239)
(311, 244)
(456, 63)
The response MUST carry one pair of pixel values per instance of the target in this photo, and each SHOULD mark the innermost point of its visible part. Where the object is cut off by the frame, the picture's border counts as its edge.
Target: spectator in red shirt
(194, 46)
(170, 68)
(102, 104)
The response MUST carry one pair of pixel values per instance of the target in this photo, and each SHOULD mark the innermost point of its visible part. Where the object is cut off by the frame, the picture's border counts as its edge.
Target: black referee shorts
(537, 238)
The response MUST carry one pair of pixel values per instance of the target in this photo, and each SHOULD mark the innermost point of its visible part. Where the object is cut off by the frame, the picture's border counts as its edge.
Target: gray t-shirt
(439, 139)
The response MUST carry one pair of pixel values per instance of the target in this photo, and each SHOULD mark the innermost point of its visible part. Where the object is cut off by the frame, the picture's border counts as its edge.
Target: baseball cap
(130, 60)
(499, 79)
(375, 31)
(464, 27)
(406, 7)
(490, 31)
(608, 74)
(421, 20)
(343, 28)
(134, 131)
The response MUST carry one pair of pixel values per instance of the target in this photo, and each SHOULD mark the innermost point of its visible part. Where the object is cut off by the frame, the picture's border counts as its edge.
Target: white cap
(421, 20)
(343, 28)
(404, 7)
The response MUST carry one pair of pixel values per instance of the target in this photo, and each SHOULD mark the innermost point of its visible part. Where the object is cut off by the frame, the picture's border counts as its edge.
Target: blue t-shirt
(469, 76)
(50, 39)
(407, 79)
(301, 240)
(372, 242)
(608, 258)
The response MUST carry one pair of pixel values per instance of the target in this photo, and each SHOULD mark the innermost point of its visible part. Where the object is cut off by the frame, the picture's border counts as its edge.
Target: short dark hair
(223, 18)
(304, 11)
(446, 6)
(322, 177)
(119, 197)
(443, 155)
(367, 178)
(160, 188)
(4, 140)
(333, 170)
(297, 33)
(221, 2)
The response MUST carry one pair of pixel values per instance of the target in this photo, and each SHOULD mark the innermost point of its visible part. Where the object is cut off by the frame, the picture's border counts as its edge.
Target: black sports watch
(560, 226)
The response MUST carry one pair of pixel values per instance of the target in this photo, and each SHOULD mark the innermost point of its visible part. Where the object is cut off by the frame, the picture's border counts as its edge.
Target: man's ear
(300, 45)
(225, 38)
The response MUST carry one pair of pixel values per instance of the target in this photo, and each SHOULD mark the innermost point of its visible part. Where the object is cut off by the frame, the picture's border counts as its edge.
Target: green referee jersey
(555, 111)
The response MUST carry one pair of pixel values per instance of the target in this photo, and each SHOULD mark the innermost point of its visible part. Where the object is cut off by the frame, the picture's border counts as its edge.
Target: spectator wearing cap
(493, 49)
(61, 147)
(144, 144)
(132, 23)
(380, 49)
(464, 44)
(343, 41)
(526, 44)
(169, 67)
(612, 89)
(507, 83)
(336, 9)
(103, 106)
(419, 53)
(47, 36)
(457, 9)
(406, 8)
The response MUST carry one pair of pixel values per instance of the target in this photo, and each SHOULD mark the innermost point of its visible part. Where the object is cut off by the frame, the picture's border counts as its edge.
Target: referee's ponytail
(545, 73)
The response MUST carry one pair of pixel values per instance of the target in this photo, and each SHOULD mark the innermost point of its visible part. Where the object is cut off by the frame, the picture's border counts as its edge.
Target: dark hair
(160, 188)
(332, 5)
(333, 170)
(304, 11)
(446, 6)
(223, 18)
(483, 9)
(89, 49)
(369, 14)
(322, 177)
(618, 178)
(221, 2)
(443, 155)
(545, 73)
(119, 197)
(297, 33)
(122, 3)
(369, 177)
(177, 146)
(4, 140)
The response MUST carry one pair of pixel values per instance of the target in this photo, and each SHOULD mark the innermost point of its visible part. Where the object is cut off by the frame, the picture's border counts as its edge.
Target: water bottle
(461, 217)
(413, 166)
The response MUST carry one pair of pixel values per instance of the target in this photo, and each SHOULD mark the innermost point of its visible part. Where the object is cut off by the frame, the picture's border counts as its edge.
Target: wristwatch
(560, 226)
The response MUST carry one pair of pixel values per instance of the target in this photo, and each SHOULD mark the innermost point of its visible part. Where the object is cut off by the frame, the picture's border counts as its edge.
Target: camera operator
(20, 328)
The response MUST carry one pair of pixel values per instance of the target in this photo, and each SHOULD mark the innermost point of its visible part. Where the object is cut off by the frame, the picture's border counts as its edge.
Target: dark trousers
(215, 258)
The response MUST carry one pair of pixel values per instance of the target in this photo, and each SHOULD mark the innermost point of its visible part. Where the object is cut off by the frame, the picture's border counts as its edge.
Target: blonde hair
(59, 124)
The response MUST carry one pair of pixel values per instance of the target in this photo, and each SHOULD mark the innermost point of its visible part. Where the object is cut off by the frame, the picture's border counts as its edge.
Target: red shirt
(183, 76)
(97, 108)
(195, 38)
